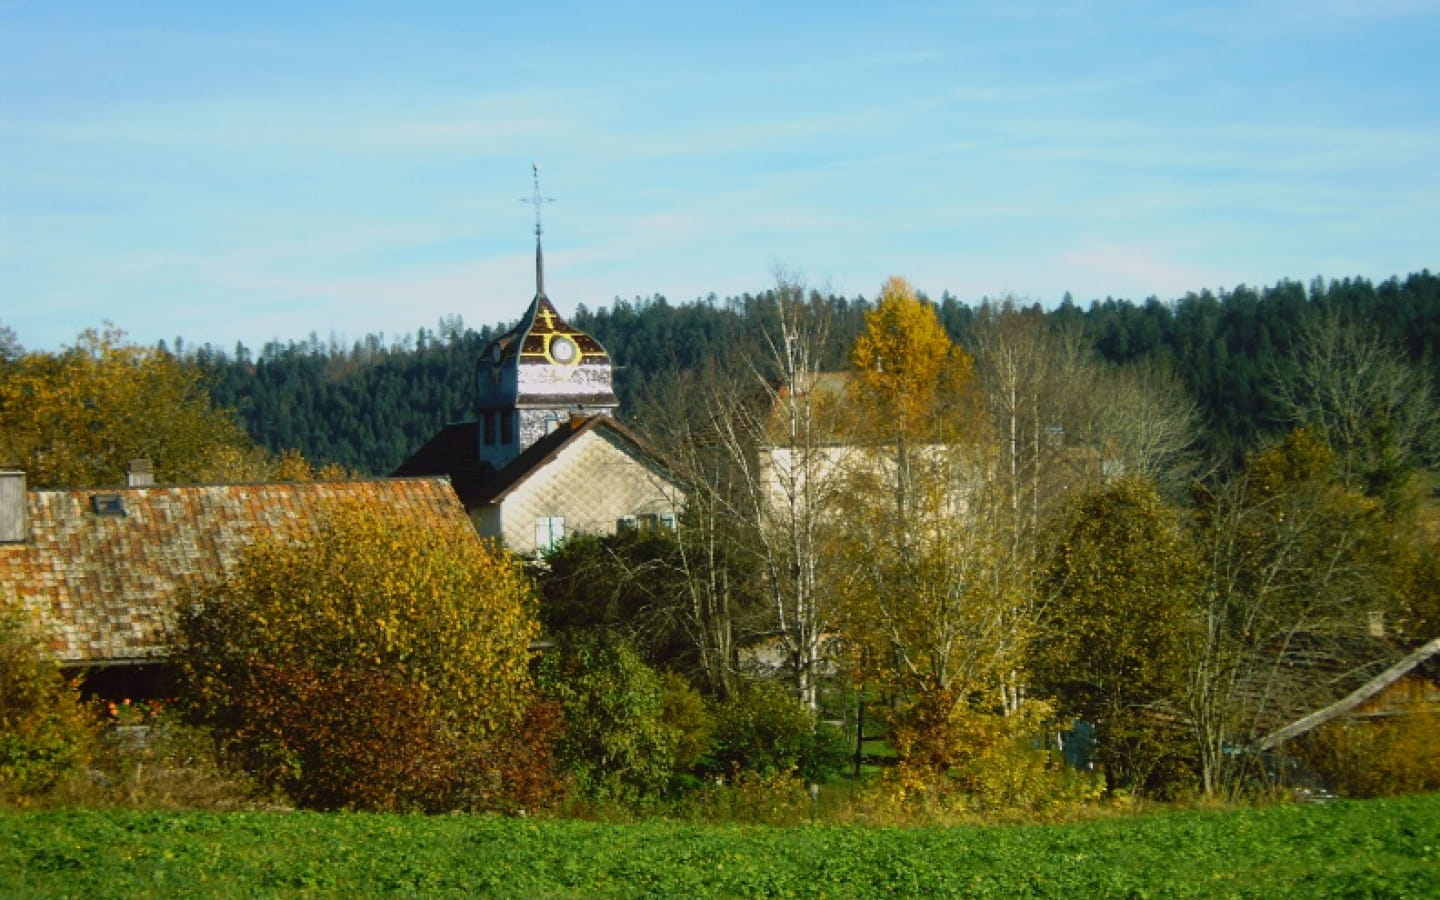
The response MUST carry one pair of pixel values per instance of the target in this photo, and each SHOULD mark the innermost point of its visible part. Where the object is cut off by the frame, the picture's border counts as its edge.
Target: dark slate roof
(104, 585)
(453, 452)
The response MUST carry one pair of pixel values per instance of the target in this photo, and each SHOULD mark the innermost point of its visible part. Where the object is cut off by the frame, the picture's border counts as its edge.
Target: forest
(367, 406)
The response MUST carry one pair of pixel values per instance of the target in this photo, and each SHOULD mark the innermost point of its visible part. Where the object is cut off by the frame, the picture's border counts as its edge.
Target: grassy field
(1386, 848)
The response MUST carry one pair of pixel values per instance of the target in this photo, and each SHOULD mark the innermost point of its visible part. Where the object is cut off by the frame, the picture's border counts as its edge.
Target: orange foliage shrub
(380, 664)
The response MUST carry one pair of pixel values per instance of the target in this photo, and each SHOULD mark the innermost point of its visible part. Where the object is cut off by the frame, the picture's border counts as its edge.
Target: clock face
(562, 349)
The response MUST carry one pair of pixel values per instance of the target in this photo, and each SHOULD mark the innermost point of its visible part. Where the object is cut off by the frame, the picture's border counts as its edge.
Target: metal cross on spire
(538, 200)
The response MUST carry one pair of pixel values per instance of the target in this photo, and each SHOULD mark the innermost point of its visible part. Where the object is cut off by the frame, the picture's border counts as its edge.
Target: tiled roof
(1308, 671)
(104, 585)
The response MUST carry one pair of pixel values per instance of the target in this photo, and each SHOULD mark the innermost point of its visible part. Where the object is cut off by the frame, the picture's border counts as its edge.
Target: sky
(264, 171)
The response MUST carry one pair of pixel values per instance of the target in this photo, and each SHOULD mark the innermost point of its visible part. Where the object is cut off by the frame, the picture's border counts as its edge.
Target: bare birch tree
(1292, 563)
(1375, 410)
(717, 610)
(1036, 381)
(1148, 423)
(763, 457)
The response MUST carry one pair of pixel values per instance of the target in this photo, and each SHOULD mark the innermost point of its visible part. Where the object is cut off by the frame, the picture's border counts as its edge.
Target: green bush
(765, 730)
(46, 733)
(685, 711)
(616, 744)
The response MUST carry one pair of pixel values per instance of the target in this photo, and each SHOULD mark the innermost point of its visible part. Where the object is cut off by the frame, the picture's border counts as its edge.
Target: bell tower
(540, 373)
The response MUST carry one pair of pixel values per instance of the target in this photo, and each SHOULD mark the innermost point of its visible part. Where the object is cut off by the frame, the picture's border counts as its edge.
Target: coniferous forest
(369, 405)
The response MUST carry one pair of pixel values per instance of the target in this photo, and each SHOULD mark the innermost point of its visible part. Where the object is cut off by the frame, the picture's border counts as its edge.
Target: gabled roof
(544, 451)
(453, 452)
(103, 574)
(1354, 699)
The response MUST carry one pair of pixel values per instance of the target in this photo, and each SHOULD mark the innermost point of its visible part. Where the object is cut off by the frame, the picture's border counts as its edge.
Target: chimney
(140, 474)
(13, 527)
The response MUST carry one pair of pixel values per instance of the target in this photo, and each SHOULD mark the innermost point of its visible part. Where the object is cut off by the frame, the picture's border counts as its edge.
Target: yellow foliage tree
(928, 602)
(1385, 757)
(46, 732)
(427, 628)
(911, 383)
(77, 417)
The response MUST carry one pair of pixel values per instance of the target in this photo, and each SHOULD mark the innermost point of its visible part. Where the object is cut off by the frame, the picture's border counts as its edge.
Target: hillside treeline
(368, 405)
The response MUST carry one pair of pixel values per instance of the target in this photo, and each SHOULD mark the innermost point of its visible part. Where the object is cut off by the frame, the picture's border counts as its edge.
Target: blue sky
(246, 172)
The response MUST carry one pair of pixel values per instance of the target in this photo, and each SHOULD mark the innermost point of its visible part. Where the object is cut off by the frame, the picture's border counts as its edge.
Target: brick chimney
(13, 526)
(141, 474)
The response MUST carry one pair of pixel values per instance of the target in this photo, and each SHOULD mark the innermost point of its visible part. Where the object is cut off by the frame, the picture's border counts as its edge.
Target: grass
(1382, 848)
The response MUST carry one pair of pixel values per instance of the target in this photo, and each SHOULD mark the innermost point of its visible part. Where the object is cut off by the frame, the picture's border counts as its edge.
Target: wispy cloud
(1138, 269)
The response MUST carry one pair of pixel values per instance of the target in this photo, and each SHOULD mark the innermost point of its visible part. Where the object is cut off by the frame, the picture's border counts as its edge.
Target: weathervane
(538, 200)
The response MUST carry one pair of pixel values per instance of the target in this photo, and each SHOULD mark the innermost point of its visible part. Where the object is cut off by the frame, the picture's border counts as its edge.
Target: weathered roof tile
(104, 585)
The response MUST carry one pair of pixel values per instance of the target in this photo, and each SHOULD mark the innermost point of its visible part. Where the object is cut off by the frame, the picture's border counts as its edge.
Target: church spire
(538, 201)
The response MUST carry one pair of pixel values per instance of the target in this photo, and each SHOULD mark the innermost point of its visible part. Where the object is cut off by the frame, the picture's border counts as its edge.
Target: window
(646, 523)
(107, 504)
(549, 531)
(490, 415)
(507, 427)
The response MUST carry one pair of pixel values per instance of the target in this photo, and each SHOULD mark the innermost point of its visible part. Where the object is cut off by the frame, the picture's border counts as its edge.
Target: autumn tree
(375, 660)
(1293, 566)
(918, 555)
(78, 416)
(9, 344)
(930, 602)
(1112, 646)
(46, 732)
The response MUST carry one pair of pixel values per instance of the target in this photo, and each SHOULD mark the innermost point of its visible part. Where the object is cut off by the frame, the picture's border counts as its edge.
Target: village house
(102, 569)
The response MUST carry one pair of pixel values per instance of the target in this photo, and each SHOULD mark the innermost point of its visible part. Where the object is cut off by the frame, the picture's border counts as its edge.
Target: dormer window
(107, 504)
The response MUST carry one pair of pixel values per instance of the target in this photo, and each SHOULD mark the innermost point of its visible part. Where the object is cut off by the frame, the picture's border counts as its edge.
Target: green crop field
(1385, 848)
